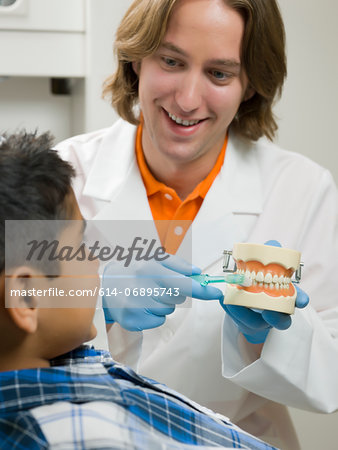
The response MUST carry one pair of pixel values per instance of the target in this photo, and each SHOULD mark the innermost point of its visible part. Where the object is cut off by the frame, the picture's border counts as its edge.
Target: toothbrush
(232, 278)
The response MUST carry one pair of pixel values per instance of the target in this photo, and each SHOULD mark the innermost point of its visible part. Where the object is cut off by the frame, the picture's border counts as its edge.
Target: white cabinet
(42, 39)
(43, 15)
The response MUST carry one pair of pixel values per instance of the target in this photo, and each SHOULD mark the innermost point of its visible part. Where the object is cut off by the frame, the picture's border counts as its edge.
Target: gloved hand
(255, 326)
(141, 296)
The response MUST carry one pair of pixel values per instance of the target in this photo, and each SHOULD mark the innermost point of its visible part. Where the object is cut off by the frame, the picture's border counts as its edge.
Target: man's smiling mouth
(183, 122)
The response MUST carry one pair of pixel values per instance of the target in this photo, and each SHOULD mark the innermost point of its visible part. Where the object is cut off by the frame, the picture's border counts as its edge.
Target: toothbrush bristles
(247, 282)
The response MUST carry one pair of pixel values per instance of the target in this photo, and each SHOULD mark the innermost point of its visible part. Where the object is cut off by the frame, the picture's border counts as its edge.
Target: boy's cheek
(92, 332)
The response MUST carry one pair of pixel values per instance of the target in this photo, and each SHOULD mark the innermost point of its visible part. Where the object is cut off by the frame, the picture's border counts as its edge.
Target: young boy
(82, 399)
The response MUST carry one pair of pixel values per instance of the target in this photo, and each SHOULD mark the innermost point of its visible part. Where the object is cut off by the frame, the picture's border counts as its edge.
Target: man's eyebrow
(170, 46)
(229, 63)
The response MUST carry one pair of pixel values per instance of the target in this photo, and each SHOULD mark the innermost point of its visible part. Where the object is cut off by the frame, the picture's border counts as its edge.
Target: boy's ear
(22, 308)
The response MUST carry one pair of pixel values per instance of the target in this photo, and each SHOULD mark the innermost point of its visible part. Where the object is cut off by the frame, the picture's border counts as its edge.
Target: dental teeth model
(270, 269)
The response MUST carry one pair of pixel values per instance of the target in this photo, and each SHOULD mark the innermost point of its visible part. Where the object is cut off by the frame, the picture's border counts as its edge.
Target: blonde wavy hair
(263, 56)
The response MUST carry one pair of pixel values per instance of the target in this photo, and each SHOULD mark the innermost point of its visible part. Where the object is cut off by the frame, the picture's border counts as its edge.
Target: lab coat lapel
(128, 213)
(116, 185)
(130, 202)
(114, 178)
(232, 203)
(113, 162)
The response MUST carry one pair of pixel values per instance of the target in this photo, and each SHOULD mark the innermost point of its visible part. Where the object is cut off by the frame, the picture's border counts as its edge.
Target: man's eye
(219, 75)
(169, 62)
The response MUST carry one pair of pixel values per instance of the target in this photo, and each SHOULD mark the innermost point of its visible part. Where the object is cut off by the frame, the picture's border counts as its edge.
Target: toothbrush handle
(232, 278)
(216, 279)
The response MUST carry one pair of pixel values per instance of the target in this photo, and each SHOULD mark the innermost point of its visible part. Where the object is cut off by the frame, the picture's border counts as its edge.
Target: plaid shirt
(88, 401)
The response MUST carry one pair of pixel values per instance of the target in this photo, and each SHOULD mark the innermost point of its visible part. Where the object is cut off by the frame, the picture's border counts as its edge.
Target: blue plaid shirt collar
(28, 388)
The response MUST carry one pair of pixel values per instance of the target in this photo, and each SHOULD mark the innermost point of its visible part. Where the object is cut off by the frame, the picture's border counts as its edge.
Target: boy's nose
(189, 93)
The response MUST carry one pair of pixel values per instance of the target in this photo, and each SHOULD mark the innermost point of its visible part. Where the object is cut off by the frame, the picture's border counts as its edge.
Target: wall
(308, 115)
(28, 103)
(308, 110)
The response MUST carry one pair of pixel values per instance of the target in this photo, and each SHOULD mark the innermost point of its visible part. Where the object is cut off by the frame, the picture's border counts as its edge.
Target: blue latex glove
(136, 312)
(255, 326)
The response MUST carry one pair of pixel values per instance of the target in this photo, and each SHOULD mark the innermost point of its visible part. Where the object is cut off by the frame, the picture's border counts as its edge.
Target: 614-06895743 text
(140, 292)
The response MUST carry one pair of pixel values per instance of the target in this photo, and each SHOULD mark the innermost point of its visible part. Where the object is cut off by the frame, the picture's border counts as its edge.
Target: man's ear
(249, 93)
(22, 307)
(136, 65)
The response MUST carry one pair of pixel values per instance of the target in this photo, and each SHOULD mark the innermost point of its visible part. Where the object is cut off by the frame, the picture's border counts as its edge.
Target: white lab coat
(261, 193)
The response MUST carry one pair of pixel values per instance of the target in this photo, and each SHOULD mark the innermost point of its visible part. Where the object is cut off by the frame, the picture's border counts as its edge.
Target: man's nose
(189, 92)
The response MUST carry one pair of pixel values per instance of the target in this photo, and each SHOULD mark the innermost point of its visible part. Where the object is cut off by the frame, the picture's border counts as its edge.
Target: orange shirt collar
(152, 185)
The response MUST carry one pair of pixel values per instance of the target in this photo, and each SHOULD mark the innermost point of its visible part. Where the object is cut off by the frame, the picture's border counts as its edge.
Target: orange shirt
(173, 216)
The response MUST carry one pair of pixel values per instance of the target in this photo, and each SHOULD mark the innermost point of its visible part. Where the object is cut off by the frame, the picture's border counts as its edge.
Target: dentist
(195, 85)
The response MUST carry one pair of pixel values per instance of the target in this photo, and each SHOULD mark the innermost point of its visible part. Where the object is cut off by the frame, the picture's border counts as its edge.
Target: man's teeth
(267, 281)
(186, 123)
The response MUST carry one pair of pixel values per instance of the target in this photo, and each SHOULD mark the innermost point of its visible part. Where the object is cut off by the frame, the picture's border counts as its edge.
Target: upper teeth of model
(269, 280)
(186, 123)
